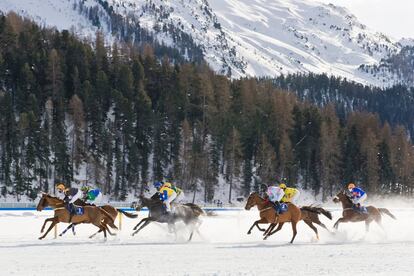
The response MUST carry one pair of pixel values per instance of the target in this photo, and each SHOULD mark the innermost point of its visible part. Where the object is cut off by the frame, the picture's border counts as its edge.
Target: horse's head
(140, 203)
(251, 200)
(342, 196)
(43, 203)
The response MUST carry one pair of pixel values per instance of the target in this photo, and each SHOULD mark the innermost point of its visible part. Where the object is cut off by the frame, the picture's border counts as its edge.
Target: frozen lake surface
(223, 249)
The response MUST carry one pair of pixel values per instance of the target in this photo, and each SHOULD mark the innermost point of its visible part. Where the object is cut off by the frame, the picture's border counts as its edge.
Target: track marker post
(120, 220)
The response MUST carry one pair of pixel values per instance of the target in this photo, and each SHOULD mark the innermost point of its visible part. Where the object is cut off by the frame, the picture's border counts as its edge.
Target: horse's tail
(317, 210)
(109, 217)
(128, 215)
(196, 209)
(387, 212)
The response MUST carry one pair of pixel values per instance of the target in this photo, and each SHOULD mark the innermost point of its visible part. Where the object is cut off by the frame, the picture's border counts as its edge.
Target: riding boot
(276, 205)
(71, 211)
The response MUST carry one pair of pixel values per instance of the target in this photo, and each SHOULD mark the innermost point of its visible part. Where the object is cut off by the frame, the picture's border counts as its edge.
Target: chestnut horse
(351, 215)
(308, 214)
(268, 214)
(92, 214)
(112, 211)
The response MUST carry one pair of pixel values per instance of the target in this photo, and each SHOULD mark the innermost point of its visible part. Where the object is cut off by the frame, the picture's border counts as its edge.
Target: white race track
(223, 249)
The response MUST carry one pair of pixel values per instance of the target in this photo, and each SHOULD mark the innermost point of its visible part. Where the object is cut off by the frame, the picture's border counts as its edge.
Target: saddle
(360, 209)
(75, 209)
(280, 208)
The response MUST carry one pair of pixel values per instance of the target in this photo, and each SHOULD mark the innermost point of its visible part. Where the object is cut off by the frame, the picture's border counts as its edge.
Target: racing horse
(308, 214)
(112, 211)
(188, 213)
(92, 214)
(349, 214)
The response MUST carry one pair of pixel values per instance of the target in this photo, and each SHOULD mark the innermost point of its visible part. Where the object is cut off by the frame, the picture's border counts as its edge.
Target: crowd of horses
(103, 217)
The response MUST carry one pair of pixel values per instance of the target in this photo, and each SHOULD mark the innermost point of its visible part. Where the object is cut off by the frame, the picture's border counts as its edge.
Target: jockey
(60, 191)
(357, 197)
(168, 193)
(70, 195)
(291, 194)
(275, 194)
(91, 196)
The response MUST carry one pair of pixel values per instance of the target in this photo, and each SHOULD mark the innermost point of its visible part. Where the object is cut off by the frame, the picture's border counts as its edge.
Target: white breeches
(76, 196)
(168, 201)
(359, 200)
(276, 196)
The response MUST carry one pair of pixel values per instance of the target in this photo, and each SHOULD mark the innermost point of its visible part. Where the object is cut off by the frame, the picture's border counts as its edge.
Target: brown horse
(92, 214)
(309, 214)
(268, 214)
(351, 215)
(112, 212)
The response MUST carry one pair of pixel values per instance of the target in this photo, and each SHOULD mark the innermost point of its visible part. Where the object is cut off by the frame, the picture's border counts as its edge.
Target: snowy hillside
(237, 37)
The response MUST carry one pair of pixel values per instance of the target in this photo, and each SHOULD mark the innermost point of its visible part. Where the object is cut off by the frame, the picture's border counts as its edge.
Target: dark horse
(308, 214)
(351, 215)
(188, 213)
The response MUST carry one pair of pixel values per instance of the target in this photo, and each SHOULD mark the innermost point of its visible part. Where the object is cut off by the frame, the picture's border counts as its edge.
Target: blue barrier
(210, 209)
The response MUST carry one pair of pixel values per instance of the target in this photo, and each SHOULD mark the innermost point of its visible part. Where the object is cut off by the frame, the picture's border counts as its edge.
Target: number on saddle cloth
(283, 208)
(79, 210)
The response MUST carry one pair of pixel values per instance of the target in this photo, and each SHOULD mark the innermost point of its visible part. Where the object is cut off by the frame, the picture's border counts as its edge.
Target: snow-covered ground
(223, 249)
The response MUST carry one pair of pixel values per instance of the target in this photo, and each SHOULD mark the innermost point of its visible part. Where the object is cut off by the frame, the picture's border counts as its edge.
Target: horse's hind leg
(309, 223)
(54, 222)
(294, 230)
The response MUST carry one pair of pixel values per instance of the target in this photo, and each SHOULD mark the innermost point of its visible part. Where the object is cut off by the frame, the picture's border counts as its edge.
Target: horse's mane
(53, 197)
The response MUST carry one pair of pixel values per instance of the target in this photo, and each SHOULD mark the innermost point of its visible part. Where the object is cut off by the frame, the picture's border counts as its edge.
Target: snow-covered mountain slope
(237, 37)
(61, 14)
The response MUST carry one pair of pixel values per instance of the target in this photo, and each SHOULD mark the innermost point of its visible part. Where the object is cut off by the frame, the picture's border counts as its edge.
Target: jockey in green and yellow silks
(168, 193)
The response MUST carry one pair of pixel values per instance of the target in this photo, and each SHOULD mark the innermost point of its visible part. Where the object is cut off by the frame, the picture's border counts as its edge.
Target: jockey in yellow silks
(291, 194)
(168, 193)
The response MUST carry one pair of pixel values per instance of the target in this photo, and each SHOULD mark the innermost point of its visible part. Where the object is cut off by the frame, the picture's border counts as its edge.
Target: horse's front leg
(147, 221)
(262, 220)
(337, 223)
(139, 223)
(67, 228)
(44, 224)
(54, 222)
(269, 229)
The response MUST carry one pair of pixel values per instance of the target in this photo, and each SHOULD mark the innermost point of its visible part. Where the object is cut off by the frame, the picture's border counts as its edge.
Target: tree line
(121, 118)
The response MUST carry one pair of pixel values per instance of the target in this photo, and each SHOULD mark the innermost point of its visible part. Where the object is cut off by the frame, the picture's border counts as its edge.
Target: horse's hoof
(248, 233)
(40, 238)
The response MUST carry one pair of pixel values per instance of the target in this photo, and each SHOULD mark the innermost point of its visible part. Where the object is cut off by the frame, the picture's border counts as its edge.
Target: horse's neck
(346, 203)
(55, 202)
(261, 203)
